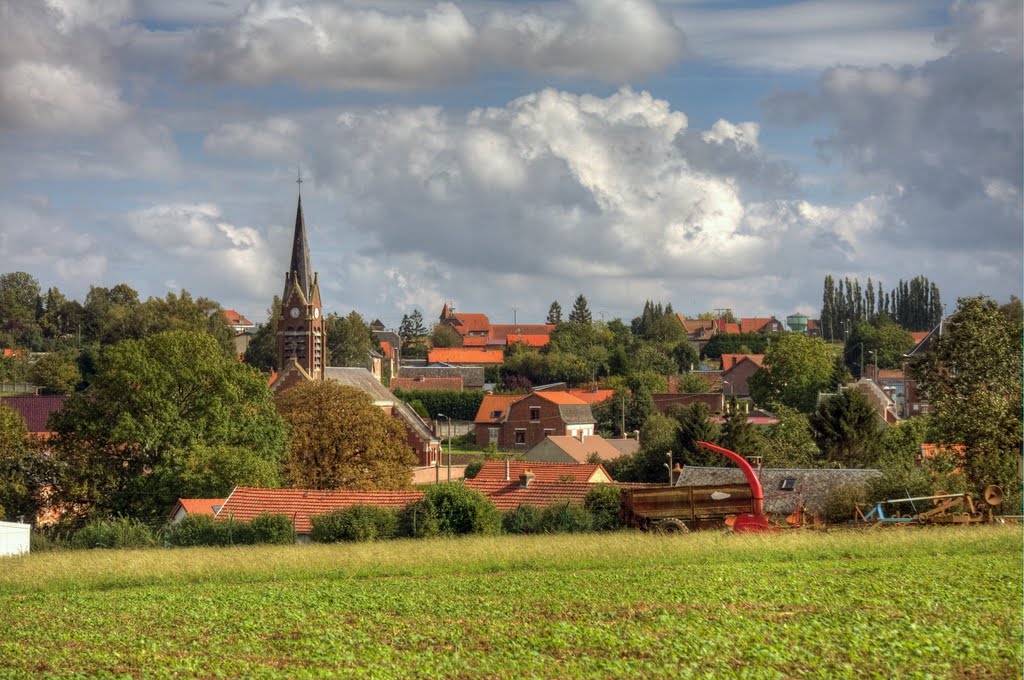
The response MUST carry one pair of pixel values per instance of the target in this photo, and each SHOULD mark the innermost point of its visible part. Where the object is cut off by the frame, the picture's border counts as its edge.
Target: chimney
(676, 472)
(508, 476)
(525, 479)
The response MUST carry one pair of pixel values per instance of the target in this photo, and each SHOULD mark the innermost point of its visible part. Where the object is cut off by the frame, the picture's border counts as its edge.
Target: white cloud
(277, 136)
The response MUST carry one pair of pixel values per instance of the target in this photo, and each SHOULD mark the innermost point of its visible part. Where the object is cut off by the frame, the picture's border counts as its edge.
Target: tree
(790, 442)
(349, 340)
(685, 356)
(580, 311)
(212, 471)
(739, 435)
(883, 342)
(796, 368)
(416, 324)
(554, 313)
(22, 468)
(847, 430)
(972, 378)
(19, 302)
(444, 335)
(262, 350)
(340, 440)
(171, 391)
(56, 372)
(691, 383)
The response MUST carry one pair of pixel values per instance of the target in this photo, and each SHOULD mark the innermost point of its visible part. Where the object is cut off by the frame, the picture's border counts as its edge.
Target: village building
(36, 411)
(194, 506)
(565, 449)
(476, 330)
(508, 470)
(520, 422)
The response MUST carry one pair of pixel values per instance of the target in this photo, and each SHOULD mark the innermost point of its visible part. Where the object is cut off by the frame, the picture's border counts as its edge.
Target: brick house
(467, 356)
(476, 330)
(762, 324)
(735, 378)
(520, 422)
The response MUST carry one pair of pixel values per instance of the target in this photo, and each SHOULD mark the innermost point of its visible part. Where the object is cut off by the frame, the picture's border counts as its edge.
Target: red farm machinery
(679, 509)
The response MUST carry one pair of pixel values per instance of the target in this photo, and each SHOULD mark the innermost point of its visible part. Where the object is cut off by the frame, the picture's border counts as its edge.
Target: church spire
(300, 267)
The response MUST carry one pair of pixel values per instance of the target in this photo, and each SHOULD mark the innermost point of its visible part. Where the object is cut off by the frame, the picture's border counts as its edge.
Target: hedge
(458, 405)
(355, 523)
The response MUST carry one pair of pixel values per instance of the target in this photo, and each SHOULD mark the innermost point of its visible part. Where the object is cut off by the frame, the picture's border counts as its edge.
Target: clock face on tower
(295, 312)
(316, 312)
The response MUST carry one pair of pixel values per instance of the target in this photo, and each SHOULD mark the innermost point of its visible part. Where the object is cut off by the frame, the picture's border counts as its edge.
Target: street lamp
(668, 466)
(441, 415)
(874, 356)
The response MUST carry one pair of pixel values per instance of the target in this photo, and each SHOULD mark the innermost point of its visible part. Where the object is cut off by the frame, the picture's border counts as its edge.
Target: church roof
(300, 266)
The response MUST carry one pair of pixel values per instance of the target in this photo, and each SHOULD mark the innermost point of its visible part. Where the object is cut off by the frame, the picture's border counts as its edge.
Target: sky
(503, 155)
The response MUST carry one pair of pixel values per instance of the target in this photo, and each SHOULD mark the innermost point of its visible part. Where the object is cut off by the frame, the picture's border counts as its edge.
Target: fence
(18, 388)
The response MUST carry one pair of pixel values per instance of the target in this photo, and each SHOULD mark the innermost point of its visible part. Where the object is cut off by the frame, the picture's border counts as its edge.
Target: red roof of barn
(299, 505)
(510, 495)
(201, 506)
(560, 398)
(495, 403)
(236, 319)
(730, 360)
(528, 340)
(494, 471)
(464, 355)
(422, 383)
(503, 330)
(36, 411)
(729, 328)
(471, 322)
(474, 341)
(593, 396)
(754, 324)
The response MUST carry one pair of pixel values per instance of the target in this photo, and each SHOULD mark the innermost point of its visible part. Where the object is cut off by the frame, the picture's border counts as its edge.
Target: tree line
(915, 305)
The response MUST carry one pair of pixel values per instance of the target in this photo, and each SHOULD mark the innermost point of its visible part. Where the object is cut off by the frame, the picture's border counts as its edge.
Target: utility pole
(623, 415)
(515, 312)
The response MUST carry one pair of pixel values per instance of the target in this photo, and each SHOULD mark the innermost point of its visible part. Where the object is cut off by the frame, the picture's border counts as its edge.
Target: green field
(902, 603)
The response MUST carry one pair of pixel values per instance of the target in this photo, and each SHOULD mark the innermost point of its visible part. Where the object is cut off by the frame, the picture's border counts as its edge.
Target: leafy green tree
(686, 357)
(349, 340)
(57, 372)
(416, 324)
(580, 311)
(182, 312)
(790, 442)
(695, 425)
(736, 343)
(883, 341)
(171, 391)
(649, 357)
(340, 440)
(691, 383)
(23, 468)
(444, 335)
(738, 435)
(554, 313)
(262, 350)
(19, 303)
(972, 378)
(212, 471)
(848, 430)
(15, 369)
(796, 368)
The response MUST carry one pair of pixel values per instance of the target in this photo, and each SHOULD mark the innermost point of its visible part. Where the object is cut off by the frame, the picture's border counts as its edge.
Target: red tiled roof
(201, 506)
(730, 360)
(918, 336)
(503, 330)
(754, 324)
(495, 403)
(299, 505)
(421, 383)
(932, 450)
(560, 398)
(578, 450)
(35, 411)
(887, 374)
(463, 355)
(528, 340)
(494, 471)
(593, 396)
(474, 341)
(510, 495)
(729, 328)
(751, 420)
(472, 322)
(236, 319)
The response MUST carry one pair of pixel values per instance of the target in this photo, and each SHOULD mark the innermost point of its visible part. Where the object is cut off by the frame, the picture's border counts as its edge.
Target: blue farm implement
(955, 508)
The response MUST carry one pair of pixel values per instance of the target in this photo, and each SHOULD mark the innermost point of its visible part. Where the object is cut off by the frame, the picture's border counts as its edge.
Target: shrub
(272, 529)
(523, 520)
(47, 541)
(473, 469)
(566, 518)
(121, 532)
(841, 502)
(418, 520)
(233, 532)
(193, 530)
(355, 523)
(462, 510)
(420, 409)
(603, 502)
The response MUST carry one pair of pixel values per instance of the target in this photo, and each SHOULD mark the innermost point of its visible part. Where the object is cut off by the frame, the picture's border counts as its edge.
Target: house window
(788, 483)
(493, 435)
(495, 414)
(535, 413)
(520, 437)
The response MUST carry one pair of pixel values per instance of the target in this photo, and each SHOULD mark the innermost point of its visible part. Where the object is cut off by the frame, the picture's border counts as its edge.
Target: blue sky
(507, 154)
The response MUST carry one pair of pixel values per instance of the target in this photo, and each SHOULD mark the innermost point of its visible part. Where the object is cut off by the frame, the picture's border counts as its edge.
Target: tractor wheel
(671, 526)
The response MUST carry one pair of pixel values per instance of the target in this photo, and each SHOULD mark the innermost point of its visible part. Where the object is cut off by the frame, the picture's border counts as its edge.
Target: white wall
(14, 538)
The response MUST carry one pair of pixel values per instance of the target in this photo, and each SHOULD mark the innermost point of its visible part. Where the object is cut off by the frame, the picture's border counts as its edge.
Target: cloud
(810, 36)
(941, 141)
(221, 259)
(347, 47)
(278, 136)
(34, 238)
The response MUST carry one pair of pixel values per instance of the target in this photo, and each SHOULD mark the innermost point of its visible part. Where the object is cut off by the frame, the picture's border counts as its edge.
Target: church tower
(301, 336)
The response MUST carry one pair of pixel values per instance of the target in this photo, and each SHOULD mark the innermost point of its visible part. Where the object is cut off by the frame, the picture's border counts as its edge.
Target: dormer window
(788, 484)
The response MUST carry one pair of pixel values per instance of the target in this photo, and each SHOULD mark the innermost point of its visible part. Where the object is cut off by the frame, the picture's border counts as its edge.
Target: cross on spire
(299, 179)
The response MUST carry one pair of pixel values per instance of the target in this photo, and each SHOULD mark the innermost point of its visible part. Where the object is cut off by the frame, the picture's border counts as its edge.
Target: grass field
(905, 603)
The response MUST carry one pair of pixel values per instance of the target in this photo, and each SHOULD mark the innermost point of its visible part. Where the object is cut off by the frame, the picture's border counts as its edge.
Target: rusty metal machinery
(954, 508)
